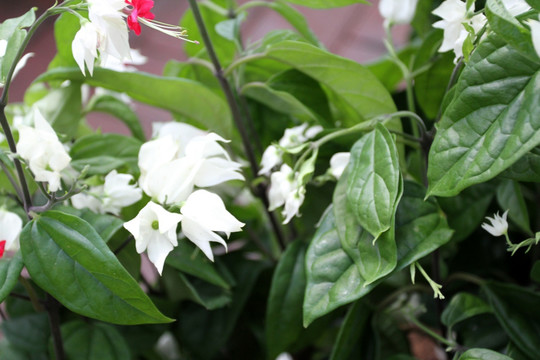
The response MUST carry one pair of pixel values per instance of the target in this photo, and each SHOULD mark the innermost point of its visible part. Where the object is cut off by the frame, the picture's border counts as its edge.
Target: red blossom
(141, 9)
(2, 247)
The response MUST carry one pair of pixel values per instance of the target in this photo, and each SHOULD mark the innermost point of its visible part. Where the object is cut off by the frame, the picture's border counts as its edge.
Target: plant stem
(34, 299)
(432, 333)
(54, 322)
(237, 117)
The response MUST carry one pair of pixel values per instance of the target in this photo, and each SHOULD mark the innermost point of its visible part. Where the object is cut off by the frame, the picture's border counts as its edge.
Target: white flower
(270, 158)
(119, 193)
(45, 154)
(10, 229)
(294, 200)
(154, 230)
(454, 13)
(281, 185)
(90, 199)
(499, 225)
(170, 178)
(516, 7)
(84, 47)
(535, 33)
(338, 162)
(3, 47)
(298, 135)
(397, 11)
(284, 356)
(203, 214)
(113, 63)
(182, 133)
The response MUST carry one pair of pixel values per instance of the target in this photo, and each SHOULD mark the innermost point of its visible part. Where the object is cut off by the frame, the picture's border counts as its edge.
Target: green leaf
(525, 169)
(430, 86)
(12, 31)
(510, 198)
(65, 28)
(354, 85)
(29, 333)
(294, 17)
(483, 354)
(333, 279)
(93, 341)
(489, 124)
(229, 28)
(187, 258)
(10, 269)
(421, 227)
(279, 101)
(373, 259)
(374, 181)
(517, 311)
(506, 26)
(284, 310)
(197, 102)
(463, 306)
(352, 330)
(112, 105)
(66, 257)
(386, 70)
(105, 225)
(326, 4)
(105, 152)
(466, 211)
(534, 3)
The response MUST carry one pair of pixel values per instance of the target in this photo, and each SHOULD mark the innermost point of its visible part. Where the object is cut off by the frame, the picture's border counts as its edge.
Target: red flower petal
(141, 9)
(2, 247)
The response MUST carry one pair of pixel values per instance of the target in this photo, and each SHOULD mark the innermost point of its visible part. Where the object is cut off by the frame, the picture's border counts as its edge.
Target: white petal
(201, 236)
(10, 229)
(215, 171)
(270, 158)
(338, 163)
(156, 153)
(158, 249)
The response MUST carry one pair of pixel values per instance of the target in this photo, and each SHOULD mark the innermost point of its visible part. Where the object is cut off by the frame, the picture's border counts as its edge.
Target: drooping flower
(203, 214)
(154, 230)
(286, 191)
(270, 158)
(397, 11)
(45, 154)
(294, 201)
(499, 225)
(10, 229)
(141, 9)
(84, 47)
(338, 162)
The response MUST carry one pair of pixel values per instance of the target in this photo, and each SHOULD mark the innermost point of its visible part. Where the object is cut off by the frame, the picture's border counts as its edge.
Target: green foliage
(10, 270)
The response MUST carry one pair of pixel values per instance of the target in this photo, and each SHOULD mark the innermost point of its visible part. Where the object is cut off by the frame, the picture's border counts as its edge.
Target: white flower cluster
(286, 187)
(458, 21)
(180, 159)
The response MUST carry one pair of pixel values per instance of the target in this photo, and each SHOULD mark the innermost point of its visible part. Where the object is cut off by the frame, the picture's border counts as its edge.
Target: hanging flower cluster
(179, 160)
(287, 188)
(105, 33)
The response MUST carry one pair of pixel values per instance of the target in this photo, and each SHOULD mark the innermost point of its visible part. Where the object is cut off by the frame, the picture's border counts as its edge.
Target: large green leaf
(105, 152)
(284, 310)
(65, 28)
(333, 279)
(355, 87)
(66, 257)
(325, 4)
(483, 354)
(421, 227)
(374, 181)
(373, 259)
(517, 311)
(463, 306)
(525, 169)
(13, 31)
(10, 269)
(185, 97)
(93, 341)
(351, 331)
(504, 24)
(490, 123)
(112, 105)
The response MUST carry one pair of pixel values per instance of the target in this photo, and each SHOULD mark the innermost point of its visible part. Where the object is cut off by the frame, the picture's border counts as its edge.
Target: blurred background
(354, 32)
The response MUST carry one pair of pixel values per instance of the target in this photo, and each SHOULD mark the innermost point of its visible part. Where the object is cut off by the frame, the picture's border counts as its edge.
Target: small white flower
(112, 63)
(118, 193)
(84, 47)
(499, 225)
(338, 163)
(397, 11)
(203, 214)
(90, 199)
(293, 136)
(516, 7)
(45, 154)
(313, 131)
(294, 200)
(10, 229)
(270, 158)
(284, 356)
(154, 230)
(281, 185)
